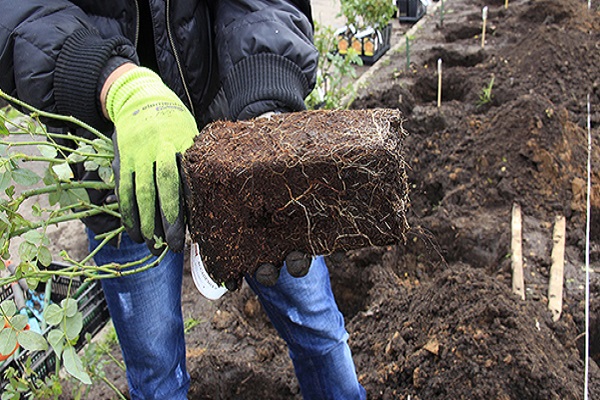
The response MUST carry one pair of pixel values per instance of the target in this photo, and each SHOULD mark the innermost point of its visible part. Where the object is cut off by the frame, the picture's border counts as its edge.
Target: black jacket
(225, 59)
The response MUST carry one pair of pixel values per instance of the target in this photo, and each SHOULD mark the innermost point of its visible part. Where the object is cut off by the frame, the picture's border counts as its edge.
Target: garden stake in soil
(518, 283)
(313, 181)
(484, 15)
(407, 53)
(439, 91)
(587, 247)
(555, 286)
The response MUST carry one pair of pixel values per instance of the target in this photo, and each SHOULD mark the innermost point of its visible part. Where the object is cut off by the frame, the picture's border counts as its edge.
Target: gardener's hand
(152, 126)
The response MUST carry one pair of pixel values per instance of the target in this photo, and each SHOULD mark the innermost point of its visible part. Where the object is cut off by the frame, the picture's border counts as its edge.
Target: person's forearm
(110, 80)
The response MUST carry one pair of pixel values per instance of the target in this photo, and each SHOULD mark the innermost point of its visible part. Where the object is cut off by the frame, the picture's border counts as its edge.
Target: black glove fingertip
(298, 263)
(267, 274)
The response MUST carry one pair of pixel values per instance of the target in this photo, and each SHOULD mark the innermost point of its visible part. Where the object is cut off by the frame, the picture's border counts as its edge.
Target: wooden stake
(506, 4)
(484, 14)
(518, 282)
(555, 286)
(407, 53)
(439, 71)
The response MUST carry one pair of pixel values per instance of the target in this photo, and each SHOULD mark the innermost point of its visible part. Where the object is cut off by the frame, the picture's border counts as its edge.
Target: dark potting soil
(314, 181)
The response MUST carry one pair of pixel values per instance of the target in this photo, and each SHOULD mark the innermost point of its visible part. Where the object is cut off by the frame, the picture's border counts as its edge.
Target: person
(154, 72)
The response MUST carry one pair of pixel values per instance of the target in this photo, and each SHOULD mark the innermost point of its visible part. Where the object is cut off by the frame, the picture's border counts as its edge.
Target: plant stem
(62, 218)
(55, 145)
(58, 117)
(113, 387)
(105, 240)
(65, 186)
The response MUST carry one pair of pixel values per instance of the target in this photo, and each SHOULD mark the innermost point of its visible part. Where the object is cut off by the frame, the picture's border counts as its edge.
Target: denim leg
(146, 312)
(304, 312)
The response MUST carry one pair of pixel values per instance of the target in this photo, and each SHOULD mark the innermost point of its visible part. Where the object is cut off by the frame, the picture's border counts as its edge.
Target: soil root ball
(311, 181)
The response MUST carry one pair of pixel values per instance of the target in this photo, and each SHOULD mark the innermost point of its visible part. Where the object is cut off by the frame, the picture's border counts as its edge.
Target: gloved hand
(152, 125)
(296, 262)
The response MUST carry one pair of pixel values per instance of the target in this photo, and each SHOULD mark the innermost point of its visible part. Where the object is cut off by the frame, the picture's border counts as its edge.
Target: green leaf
(86, 149)
(73, 196)
(54, 198)
(33, 237)
(25, 177)
(74, 325)
(27, 251)
(106, 174)
(56, 340)
(103, 146)
(53, 314)
(32, 341)
(44, 256)
(47, 150)
(74, 366)
(3, 129)
(5, 179)
(70, 306)
(8, 308)
(8, 341)
(36, 210)
(10, 191)
(63, 171)
(90, 165)
(19, 322)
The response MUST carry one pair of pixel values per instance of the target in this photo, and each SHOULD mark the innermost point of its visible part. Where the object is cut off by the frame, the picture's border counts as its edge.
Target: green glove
(152, 125)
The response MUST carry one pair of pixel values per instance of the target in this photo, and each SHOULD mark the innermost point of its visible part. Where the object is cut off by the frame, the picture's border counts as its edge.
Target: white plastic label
(204, 283)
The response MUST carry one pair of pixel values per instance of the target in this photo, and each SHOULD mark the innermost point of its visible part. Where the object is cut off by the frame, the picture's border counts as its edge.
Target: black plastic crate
(410, 10)
(91, 303)
(383, 38)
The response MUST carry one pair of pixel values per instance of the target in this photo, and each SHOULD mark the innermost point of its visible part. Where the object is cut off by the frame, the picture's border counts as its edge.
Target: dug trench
(434, 317)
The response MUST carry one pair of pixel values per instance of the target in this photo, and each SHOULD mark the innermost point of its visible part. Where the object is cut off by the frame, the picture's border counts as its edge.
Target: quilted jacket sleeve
(267, 60)
(52, 57)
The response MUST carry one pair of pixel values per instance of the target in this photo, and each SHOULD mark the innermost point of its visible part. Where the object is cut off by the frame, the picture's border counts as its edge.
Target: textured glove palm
(152, 126)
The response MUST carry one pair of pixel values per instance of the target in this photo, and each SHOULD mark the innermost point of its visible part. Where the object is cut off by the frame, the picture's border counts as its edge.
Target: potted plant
(368, 28)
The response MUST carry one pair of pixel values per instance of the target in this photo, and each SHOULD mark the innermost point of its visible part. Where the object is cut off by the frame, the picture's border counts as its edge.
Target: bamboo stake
(518, 282)
(587, 251)
(407, 53)
(439, 93)
(506, 4)
(555, 286)
(484, 15)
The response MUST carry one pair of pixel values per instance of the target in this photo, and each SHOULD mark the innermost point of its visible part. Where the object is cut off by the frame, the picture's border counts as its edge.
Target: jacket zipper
(177, 61)
(137, 23)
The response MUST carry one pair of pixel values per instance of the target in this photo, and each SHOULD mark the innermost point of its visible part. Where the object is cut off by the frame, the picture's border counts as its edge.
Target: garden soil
(434, 317)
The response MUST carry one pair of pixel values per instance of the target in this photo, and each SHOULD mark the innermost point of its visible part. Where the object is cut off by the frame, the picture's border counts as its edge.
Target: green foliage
(336, 73)
(37, 190)
(364, 13)
(485, 96)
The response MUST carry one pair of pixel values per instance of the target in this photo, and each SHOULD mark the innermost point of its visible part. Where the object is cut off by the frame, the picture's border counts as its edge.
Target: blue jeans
(146, 312)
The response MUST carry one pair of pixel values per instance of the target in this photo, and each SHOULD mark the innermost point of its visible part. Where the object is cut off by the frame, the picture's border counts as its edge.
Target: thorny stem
(92, 272)
(113, 387)
(52, 144)
(64, 186)
(106, 238)
(65, 218)
(58, 117)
